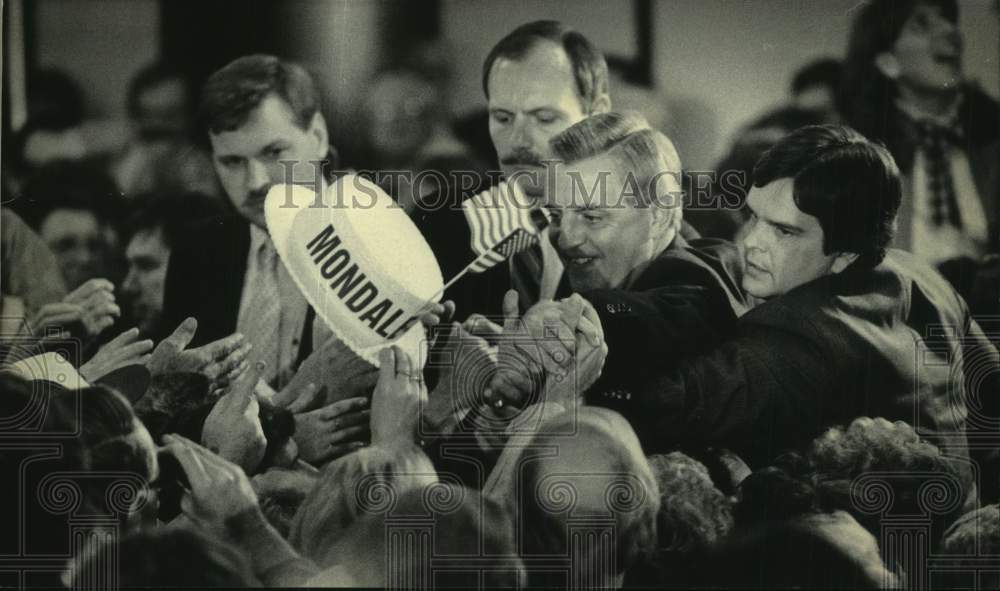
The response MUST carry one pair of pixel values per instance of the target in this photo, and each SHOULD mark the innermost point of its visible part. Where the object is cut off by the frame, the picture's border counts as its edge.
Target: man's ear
(887, 63)
(842, 261)
(317, 127)
(601, 104)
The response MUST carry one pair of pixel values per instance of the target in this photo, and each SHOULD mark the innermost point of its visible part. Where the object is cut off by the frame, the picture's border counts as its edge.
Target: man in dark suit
(615, 211)
(848, 329)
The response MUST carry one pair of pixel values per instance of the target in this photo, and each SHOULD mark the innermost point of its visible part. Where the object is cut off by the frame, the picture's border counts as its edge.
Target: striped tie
(265, 312)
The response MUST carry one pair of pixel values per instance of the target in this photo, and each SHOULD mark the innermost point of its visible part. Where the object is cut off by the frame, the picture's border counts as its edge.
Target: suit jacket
(447, 232)
(895, 341)
(685, 301)
(205, 280)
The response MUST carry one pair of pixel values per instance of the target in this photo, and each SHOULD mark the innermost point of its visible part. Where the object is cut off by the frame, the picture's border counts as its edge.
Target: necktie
(934, 141)
(265, 312)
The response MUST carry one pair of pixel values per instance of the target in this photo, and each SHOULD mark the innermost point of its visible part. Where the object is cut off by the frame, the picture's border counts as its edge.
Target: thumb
(510, 309)
(182, 335)
(243, 389)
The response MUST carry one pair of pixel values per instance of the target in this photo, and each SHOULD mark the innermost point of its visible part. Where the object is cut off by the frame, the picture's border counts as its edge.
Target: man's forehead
(775, 203)
(146, 241)
(596, 182)
(543, 75)
(271, 121)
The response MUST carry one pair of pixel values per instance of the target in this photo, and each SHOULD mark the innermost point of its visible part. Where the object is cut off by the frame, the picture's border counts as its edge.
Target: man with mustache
(538, 80)
(848, 327)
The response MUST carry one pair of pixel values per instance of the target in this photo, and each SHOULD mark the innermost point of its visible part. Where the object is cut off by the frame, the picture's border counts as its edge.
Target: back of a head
(164, 557)
(850, 184)
(170, 212)
(782, 556)
(590, 70)
(974, 535)
(596, 500)
(440, 536)
(233, 92)
(646, 158)
(912, 469)
(693, 513)
(348, 488)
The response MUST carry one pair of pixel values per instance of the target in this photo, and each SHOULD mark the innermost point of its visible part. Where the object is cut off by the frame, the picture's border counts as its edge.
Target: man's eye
(230, 162)
(546, 118)
(783, 232)
(591, 218)
(275, 152)
(501, 118)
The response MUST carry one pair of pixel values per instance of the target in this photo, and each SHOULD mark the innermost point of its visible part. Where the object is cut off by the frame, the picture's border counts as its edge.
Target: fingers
(55, 315)
(342, 407)
(88, 289)
(590, 324)
(403, 363)
(449, 311)
(229, 362)
(243, 388)
(189, 459)
(305, 399)
(481, 326)
(386, 365)
(182, 335)
(222, 348)
(355, 433)
(510, 309)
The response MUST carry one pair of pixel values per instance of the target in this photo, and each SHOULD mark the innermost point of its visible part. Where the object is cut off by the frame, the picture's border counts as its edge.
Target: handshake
(553, 353)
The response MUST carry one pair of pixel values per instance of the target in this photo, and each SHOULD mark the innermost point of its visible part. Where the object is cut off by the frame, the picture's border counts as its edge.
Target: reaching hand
(334, 368)
(332, 431)
(219, 490)
(542, 346)
(121, 351)
(471, 364)
(92, 304)
(220, 361)
(232, 429)
(397, 400)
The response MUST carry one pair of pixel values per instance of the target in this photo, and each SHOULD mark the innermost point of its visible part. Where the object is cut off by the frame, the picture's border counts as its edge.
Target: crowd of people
(786, 376)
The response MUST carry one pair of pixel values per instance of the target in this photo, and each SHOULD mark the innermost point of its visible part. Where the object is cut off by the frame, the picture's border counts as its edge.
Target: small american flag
(501, 225)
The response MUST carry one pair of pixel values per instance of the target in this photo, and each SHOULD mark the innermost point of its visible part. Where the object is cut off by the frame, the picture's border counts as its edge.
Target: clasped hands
(553, 353)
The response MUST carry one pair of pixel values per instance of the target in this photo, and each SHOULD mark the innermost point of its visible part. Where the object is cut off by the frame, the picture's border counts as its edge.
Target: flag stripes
(500, 225)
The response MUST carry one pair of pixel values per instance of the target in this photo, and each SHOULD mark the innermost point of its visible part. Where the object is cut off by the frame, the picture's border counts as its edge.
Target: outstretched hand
(232, 429)
(396, 402)
(220, 489)
(220, 361)
(121, 351)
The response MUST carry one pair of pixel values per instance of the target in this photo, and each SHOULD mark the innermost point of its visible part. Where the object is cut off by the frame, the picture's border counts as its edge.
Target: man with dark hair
(155, 227)
(258, 110)
(74, 207)
(903, 84)
(538, 80)
(849, 328)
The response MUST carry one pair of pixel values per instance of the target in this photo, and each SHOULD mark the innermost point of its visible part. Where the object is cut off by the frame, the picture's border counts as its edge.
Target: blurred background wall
(712, 66)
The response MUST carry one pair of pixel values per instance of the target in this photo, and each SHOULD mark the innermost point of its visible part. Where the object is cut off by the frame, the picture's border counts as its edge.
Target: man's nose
(520, 136)
(569, 234)
(752, 238)
(131, 283)
(257, 175)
